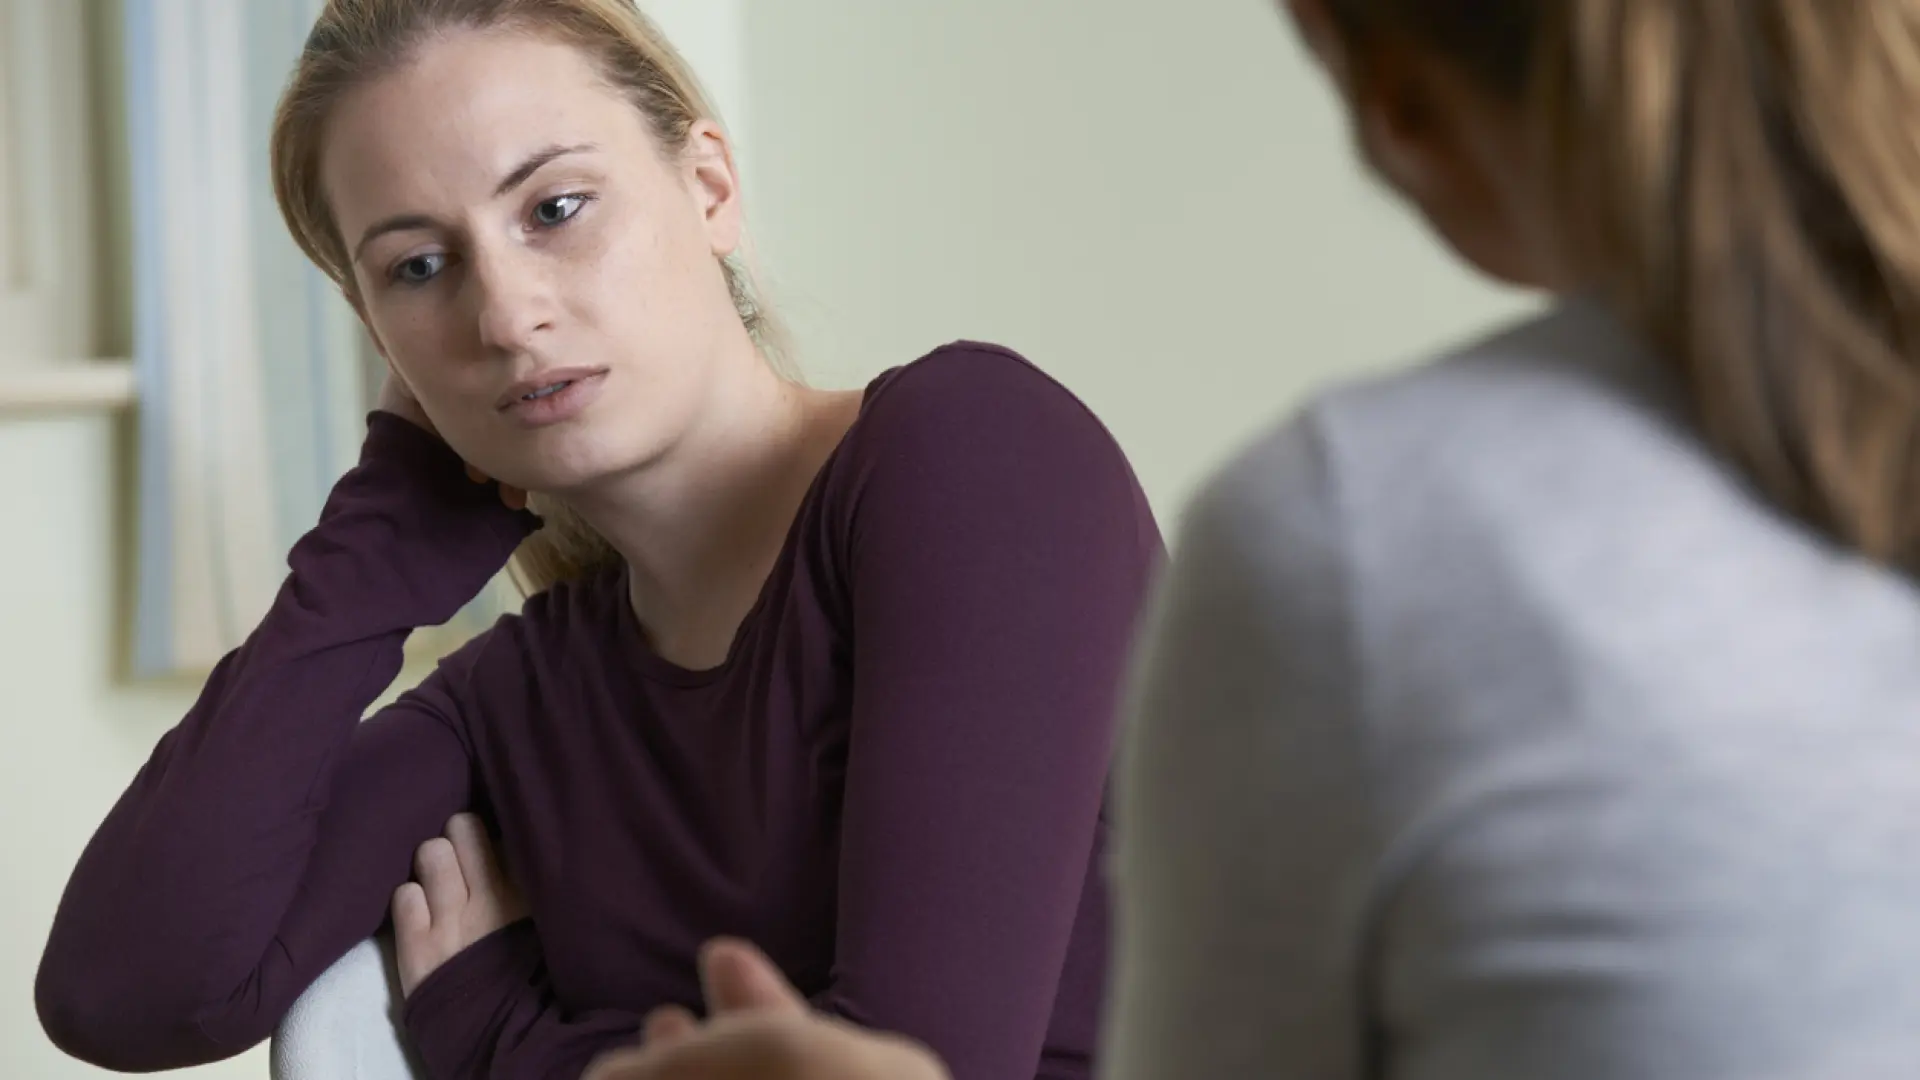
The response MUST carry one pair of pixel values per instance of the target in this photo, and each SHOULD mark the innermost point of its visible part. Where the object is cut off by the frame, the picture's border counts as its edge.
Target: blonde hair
(1744, 179)
(355, 41)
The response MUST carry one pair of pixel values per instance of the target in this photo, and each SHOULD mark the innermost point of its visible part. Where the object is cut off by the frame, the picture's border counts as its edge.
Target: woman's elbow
(112, 1017)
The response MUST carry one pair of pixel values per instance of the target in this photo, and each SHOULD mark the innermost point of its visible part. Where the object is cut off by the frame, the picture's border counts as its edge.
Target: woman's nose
(515, 300)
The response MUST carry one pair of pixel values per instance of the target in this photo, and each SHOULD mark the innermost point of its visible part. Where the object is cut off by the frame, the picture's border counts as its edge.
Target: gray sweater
(1490, 727)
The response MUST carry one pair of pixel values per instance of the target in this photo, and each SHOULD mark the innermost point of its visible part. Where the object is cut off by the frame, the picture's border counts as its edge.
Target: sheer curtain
(251, 368)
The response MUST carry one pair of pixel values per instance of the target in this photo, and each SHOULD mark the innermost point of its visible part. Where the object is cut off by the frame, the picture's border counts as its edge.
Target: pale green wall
(1152, 198)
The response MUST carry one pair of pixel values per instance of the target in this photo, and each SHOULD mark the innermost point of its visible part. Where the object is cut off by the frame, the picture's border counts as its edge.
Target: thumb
(738, 977)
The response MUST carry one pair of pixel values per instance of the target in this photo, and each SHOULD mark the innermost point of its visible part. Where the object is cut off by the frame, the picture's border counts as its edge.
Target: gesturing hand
(761, 1029)
(395, 398)
(458, 896)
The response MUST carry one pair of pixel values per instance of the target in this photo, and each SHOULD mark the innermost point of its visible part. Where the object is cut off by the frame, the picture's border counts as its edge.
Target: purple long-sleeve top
(895, 782)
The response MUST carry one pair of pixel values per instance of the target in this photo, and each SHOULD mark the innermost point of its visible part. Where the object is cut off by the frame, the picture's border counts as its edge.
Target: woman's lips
(554, 397)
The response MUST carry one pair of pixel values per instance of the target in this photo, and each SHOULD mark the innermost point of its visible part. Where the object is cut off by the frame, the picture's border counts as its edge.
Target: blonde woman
(831, 670)
(1552, 710)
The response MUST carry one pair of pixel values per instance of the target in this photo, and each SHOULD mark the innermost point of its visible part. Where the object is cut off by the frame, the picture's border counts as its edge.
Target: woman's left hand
(459, 895)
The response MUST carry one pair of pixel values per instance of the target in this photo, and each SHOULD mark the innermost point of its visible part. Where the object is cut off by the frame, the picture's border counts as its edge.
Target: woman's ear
(1406, 128)
(1434, 136)
(715, 181)
(1389, 94)
(1315, 24)
(1456, 154)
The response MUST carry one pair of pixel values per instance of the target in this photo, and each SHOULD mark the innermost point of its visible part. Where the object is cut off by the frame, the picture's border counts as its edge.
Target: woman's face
(541, 276)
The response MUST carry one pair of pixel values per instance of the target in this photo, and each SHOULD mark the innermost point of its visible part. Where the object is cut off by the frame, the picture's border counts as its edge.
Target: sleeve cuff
(450, 1017)
(418, 533)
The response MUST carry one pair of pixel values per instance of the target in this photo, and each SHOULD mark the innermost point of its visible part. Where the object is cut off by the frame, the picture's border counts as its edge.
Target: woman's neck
(701, 527)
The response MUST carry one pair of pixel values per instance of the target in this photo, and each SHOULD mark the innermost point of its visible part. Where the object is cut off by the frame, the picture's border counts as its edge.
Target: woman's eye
(557, 210)
(419, 270)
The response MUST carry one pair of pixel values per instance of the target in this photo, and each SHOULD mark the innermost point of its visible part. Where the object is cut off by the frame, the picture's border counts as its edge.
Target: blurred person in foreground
(1554, 709)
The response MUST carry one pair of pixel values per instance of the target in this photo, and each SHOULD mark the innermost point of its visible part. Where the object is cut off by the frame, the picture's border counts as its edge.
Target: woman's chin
(576, 463)
(562, 479)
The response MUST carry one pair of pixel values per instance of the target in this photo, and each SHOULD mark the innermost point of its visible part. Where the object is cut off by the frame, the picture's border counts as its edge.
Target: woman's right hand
(395, 398)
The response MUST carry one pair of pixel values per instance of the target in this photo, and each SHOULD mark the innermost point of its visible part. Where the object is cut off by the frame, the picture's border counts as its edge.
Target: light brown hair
(355, 41)
(1744, 177)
